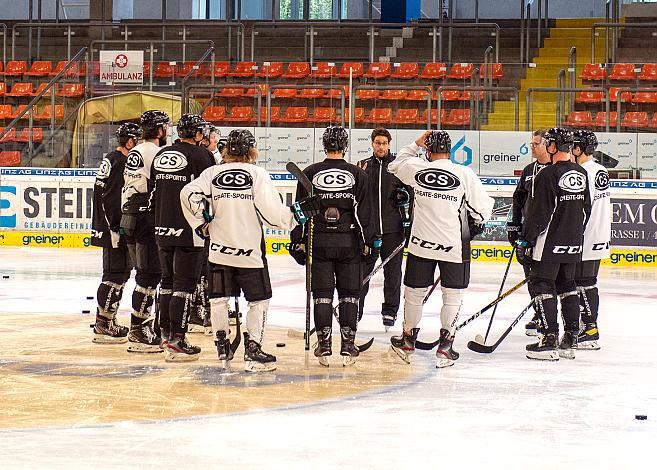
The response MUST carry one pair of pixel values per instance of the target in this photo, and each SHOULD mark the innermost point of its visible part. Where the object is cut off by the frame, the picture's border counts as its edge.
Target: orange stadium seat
(47, 113)
(461, 71)
(10, 158)
(295, 114)
(147, 70)
(450, 95)
(275, 114)
(10, 136)
(417, 95)
(322, 70)
(166, 70)
(19, 109)
(380, 116)
(579, 119)
(434, 116)
(600, 119)
(324, 115)
(58, 68)
(270, 70)
(42, 86)
(406, 71)
(288, 93)
(311, 93)
(15, 68)
(359, 115)
(622, 72)
(465, 96)
(637, 119)
(240, 114)
(243, 70)
(590, 97)
(187, 66)
(230, 92)
(20, 90)
(355, 67)
(2, 68)
(433, 71)
(297, 70)
(40, 68)
(367, 94)
(252, 93)
(653, 123)
(378, 70)
(220, 70)
(494, 71)
(648, 73)
(645, 97)
(592, 72)
(3, 88)
(72, 90)
(394, 95)
(458, 117)
(626, 96)
(336, 93)
(406, 116)
(5, 111)
(214, 113)
(37, 135)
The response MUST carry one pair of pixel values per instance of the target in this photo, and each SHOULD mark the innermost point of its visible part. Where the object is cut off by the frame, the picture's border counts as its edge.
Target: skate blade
(253, 366)
(195, 329)
(224, 364)
(401, 354)
(531, 332)
(144, 348)
(442, 363)
(590, 345)
(543, 356)
(324, 361)
(104, 339)
(348, 361)
(180, 357)
(567, 353)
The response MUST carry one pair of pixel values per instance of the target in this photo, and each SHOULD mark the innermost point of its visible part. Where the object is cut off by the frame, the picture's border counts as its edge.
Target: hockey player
(106, 233)
(597, 236)
(389, 195)
(450, 208)
(552, 237)
(342, 235)
(180, 248)
(241, 197)
(521, 198)
(138, 225)
(212, 142)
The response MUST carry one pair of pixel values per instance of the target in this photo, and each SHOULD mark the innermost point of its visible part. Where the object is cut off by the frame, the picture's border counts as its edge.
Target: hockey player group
(189, 219)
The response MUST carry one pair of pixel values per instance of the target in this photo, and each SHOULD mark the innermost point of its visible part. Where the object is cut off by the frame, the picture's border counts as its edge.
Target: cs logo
(466, 158)
(7, 195)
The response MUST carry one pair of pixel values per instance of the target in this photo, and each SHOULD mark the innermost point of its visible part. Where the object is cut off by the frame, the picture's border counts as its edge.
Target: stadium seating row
(26, 89)
(23, 136)
(620, 72)
(626, 96)
(632, 119)
(44, 68)
(7, 111)
(10, 158)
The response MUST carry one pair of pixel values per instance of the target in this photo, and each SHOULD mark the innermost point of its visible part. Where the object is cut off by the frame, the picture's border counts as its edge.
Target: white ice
(498, 411)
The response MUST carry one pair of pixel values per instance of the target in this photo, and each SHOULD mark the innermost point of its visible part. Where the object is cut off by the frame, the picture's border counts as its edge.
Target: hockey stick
(506, 272)
(238, 337)
(433, 288)
(482, 348)
(429, 346)
(383, 263)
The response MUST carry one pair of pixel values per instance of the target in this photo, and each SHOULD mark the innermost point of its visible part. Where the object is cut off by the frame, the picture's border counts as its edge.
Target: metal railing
(484, 89)
(272, 88)
(619, 99)
(187, 93)
(353, 98)
(525, 27)
(529, 102)
(614, 46)
(4, 42)
(561, 97)
(571, 76)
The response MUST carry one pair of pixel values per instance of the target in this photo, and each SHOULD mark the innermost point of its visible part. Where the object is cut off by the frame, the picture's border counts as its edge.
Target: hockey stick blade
(365, 346)
(238, 337)
(426, 346)
(483, 349)
(300, 176)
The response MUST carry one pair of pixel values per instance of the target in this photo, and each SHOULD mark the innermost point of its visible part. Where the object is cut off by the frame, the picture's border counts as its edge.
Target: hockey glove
(371, 251)
(475, 228)
(513, 232)
(524, 250)
(298, 252)
(305, 209)
(203, 230)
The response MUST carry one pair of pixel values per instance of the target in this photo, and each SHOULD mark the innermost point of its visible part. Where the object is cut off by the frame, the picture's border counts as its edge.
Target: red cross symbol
(121, 61)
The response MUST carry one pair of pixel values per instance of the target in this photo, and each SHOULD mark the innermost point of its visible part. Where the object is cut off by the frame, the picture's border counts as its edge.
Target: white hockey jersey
(597, 234)
(138, 170)
(445, 194)
(242, 197)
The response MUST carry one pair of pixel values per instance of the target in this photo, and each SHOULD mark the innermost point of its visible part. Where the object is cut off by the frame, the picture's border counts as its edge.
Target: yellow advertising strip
(480, 252)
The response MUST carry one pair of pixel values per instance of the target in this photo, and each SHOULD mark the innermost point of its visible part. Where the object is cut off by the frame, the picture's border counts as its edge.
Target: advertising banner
(501, 153)
(121, 67)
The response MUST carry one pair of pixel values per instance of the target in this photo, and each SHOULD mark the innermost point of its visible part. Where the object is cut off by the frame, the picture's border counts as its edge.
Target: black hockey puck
(90, 297)
(641, 417)
(5, 277)
(86, 311)
(280, 345)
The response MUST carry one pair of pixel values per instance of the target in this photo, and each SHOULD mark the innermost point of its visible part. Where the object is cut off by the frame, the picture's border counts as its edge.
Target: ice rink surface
(487, 411)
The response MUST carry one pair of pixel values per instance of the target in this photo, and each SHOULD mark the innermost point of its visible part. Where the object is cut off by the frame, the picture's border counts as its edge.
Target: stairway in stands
(552, 57)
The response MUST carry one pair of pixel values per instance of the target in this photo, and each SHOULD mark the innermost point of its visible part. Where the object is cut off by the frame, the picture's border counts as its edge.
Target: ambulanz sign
(121, 67)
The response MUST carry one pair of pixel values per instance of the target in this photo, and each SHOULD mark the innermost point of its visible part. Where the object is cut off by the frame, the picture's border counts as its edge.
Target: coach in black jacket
(391, 202)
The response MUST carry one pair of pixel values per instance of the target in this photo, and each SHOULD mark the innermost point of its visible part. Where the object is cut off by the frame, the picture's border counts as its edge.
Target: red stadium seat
(220, 70)
(622, 72)
(380, 116)
(434, 116)
(335, 93)
(2, 68)
(406, 116)
(590, 97)
(636, 119)
(147, 70)
(72, 90)
(433, 71)
(275, 114)
(20, 90)
(72, 71)
(230, 93)
(494, 71)
(645, 97)
(378, 70)
(359, 115)
(10, 158)
(5, 111)
(626, 96)
(653, 123)
(311, 93)
(285, 93)
(252, 93)
(295, 114)
(417, 95)
(592, 72)
(165, 70)
(324, 115)
(243, 70)
(15, 68)
(41, 87)
(40, 68)
(461, 71)
(465, 96)
(240, 114)
(19, 109)
(37, 135)
(648, 73)
(297, 70)
(10, 136)
(323, 71)
(187, 66)
(367, 94)
(47, 113)
(215, 113)
(600, 119)
(458, 117)
(394, 95)
(355, 67)
(3, 88)
(270, 70)
(579, 119)
(450, 95)
(406, 71)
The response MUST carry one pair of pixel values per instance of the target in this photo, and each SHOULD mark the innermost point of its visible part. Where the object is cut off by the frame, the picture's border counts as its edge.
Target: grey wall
(19, 10)
(511, 8)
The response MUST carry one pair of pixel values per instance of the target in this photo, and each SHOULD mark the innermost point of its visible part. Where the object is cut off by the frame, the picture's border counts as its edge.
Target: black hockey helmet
(438, 142)
(585, 140)
(151, 120)
(190, 124)
(335, 139)
(561, 137)
(128, 130)
(240, 141)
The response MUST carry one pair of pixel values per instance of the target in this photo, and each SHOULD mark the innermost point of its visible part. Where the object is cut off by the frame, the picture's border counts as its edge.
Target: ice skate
(255, 359)
(445, 355)
(196, 320)
(545, 350)
(142, 338)
(164, 338)
(348, 349)
(404, 345)
(531, 327)
(107, 331)
(589, 337)
(568, 345)
(322, 349)
(388, 320)
(223, 349)
(179, 350)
